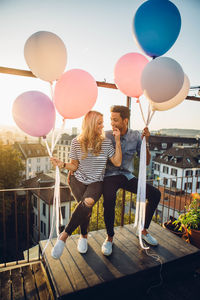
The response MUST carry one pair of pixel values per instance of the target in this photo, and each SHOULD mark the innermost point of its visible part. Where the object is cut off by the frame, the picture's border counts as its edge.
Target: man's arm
(116, 159)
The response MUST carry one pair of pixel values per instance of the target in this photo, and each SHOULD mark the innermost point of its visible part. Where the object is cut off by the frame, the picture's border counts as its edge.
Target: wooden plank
(95, 249)
(94, 260)
(61, 282)
(29, 286)
(17, 284)
(127, 239)
(43, 289)
(5, 291)
(123, 260)
(77, 280)
(87, 272)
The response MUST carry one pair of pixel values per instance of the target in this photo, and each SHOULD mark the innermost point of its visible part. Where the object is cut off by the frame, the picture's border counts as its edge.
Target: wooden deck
(25, 282)
(128, 270)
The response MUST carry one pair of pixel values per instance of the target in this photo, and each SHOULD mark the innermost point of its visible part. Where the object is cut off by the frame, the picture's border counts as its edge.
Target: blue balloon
(156, 26)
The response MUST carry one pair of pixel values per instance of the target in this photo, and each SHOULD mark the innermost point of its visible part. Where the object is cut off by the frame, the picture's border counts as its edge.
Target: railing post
(16, 225)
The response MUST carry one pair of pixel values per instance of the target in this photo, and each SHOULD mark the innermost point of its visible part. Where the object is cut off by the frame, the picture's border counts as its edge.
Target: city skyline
(96, 35)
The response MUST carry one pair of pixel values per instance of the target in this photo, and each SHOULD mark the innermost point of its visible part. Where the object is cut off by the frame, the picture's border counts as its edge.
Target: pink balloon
(75, 93)
(128, 72)
(34, 113)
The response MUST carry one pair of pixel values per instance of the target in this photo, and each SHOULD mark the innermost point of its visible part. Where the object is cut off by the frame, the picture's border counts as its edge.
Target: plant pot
(174, 228)
(194, 236)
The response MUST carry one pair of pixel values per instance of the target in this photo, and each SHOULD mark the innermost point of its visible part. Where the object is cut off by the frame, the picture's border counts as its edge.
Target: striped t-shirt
(92, 168)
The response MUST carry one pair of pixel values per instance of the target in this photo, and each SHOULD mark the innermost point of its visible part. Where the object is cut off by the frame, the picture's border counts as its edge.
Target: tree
(11, 167)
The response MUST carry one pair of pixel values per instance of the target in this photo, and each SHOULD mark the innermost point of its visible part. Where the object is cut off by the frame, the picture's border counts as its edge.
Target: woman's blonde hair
(89, 138)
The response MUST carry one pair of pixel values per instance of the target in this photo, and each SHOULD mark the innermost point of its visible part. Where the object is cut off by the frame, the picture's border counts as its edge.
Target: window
(164, 146)
(173, 171)
(165, 169)
(173, 184)
(188, 185)
(165, 181)
(189, 173)
(38, 168)
(29, 169)
(197, 173)
(157, 167)
(35, 201)
(44, 228)
(41, 226)
(29, 160)
(63, 211)
(38, 160)
(47, 159)
(44, 209)
(198, 185)
(36, 221)
(63, 148)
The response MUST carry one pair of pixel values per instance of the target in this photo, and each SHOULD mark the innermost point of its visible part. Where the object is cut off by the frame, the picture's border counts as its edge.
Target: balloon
(34, 113)
(75, 93)
(46, 55)
(127, 73)
(162, 79)
(156, 26)
(182, 94)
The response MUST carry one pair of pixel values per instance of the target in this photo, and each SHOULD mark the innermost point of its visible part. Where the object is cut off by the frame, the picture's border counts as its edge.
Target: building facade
(35, 157)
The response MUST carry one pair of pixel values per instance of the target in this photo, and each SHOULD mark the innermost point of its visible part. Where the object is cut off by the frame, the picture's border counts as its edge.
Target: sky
(96, 34)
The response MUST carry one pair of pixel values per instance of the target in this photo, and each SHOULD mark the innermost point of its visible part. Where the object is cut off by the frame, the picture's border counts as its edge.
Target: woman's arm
(72, 166)
(116, 159)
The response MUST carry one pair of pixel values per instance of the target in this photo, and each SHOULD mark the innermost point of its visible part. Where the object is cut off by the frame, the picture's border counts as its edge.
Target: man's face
(117, 122)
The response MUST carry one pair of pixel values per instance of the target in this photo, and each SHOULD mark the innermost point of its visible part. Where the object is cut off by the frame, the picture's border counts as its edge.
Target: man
(122, 177)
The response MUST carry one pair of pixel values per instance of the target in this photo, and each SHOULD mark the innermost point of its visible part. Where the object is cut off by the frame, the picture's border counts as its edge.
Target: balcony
(169, 271)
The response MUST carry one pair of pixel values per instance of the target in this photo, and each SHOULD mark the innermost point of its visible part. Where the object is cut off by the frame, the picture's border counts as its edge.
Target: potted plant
(175, 227)
(191, 220)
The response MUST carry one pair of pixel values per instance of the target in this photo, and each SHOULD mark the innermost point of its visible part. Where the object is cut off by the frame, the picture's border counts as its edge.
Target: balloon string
(141, 111)
(151, 116)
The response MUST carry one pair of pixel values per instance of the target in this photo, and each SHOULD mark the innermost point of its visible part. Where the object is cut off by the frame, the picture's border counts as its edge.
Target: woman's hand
(56, 162)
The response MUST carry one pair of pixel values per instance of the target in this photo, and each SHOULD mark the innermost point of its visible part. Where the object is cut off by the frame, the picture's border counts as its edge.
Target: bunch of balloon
(74, 95)
(156, 27)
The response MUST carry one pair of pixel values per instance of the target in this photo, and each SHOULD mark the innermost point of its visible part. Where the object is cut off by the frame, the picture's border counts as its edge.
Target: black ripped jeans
(81, 214)
(111, 185)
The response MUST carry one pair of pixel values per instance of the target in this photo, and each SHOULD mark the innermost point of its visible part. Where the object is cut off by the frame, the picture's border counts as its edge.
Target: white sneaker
(106, 248)
(149, 239)
(82, 245)
(57, 250)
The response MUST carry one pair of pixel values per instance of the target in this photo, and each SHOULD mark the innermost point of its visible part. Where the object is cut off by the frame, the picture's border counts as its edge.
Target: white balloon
(162, 79)
(182, 94)
(46, 55)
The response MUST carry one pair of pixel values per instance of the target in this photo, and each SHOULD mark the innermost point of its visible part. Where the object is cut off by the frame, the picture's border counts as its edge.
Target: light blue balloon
(156, 26)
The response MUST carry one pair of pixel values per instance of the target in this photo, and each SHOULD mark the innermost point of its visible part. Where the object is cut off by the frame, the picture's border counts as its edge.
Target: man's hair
(123, 110)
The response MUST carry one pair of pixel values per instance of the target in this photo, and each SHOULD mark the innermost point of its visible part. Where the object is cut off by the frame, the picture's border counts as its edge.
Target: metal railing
(21, 230)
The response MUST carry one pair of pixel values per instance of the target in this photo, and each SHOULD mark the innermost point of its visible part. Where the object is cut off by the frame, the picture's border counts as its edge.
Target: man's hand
(116, 133)
(146, 133)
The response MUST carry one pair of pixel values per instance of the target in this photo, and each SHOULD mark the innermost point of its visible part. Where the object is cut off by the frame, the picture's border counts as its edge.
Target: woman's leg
(84, 208)
(78, 189)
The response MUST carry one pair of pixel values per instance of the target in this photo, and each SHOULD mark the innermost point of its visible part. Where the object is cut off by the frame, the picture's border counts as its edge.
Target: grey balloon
(162, 79)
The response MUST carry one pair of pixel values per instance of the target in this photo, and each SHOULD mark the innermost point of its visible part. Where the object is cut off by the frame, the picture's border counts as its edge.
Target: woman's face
(99, 125)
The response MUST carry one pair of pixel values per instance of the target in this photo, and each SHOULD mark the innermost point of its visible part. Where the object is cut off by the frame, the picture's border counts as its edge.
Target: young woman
(89, 154)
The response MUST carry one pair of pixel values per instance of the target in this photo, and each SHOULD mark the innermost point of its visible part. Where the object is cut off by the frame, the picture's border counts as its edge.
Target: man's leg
(111, 185)
(153, 197)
